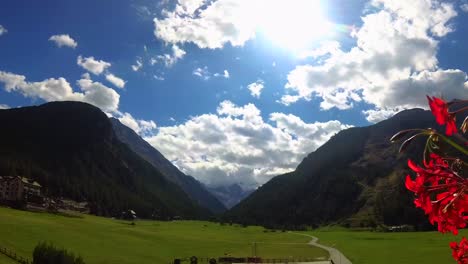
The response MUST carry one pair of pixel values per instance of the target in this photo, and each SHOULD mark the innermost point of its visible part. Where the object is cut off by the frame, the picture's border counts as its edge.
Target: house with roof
(31, 187)
(15, 188)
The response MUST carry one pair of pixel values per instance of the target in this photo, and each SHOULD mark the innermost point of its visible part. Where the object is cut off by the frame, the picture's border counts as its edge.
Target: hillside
(356, 178)
(195, 190)
(72, 150)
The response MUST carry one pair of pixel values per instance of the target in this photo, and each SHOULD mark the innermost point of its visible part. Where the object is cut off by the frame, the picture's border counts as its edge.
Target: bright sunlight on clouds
(294, 24)
(290, 24)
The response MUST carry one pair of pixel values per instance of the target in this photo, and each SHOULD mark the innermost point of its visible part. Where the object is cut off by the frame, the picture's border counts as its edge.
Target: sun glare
(294, 24)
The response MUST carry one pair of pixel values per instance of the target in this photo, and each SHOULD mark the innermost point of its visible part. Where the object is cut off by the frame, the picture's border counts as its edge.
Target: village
(25, 193)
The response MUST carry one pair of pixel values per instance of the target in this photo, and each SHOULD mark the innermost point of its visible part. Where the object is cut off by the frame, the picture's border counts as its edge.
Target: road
(335, 255)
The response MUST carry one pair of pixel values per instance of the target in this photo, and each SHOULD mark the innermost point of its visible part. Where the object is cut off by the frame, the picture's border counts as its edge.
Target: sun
(294, 24)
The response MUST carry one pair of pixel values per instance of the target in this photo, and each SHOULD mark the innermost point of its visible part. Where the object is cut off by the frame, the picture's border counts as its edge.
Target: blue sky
(234, 91)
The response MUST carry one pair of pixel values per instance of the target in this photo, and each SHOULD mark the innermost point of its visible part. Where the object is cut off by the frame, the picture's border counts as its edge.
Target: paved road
(336, 256)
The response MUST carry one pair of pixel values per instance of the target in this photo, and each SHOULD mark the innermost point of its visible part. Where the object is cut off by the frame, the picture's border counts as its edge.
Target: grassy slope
(101, 240)
(388, 248)
(6, 260)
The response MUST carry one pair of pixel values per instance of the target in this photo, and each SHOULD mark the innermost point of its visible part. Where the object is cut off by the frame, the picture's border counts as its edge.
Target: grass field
(100, 240)
(388, 248)
(6, 260)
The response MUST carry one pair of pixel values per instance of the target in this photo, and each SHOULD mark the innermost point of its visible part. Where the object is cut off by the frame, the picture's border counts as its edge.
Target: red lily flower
(460, 251)
(439, 109)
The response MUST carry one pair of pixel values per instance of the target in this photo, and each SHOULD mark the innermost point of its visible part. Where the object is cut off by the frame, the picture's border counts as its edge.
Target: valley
(102, 240)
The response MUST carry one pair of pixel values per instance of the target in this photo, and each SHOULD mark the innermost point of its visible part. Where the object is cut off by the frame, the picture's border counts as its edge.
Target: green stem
(453, 144)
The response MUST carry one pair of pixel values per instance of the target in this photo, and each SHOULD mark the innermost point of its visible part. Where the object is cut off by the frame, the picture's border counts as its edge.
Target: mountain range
(75, 151)
(230, 195)
(72, 149)
(195, 190)
(355, 179)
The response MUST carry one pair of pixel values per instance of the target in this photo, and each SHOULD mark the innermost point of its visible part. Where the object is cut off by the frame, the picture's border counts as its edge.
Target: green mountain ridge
(194, 189)
(356, 179)
(72, 150)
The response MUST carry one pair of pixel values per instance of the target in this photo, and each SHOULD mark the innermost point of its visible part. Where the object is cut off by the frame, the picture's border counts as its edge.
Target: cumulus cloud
(99, 95)
(208, 25)
(60, 90)
(3, 30)
(325, 48)
(92, 65)
(63, 40)
(377, 115)
(256, 88)
(118, 82)
(170, 59)
(138, 65)
(235, 145)
(141, 127)
(4, 106)
(393, 65)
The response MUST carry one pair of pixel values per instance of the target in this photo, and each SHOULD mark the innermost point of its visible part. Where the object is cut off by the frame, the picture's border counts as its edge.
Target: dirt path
(336, 256)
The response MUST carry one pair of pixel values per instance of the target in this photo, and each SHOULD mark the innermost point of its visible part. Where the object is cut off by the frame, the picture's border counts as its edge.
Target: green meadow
(6, 260)
(101, 240)
(363, 247)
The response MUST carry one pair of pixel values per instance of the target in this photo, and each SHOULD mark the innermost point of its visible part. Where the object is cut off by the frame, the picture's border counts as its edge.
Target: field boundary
(12, 255)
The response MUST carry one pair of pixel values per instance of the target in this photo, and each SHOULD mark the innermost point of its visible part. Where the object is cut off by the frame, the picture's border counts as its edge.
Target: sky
(235, 91)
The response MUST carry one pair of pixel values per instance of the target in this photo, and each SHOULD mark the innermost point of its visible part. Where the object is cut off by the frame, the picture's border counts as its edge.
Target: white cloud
(463, 7)
(189, 6)
(393, 65)
(225, 74)
(3, 30)
(141, 127)
(99, 95)
(216, 23)
(256, 88)
(220, 22)
(377, 115)
(236, 145)
(202, 73)
(91, 92)
(170, 59)
(92, 65)
(205, 74)
(60, 90)
(118, 82)
(63, 40)
(325, 48)
(138, 65)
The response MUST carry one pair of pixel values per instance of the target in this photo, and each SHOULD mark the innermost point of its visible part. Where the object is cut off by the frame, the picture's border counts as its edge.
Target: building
(11, 188)
(31, 187)
(15, 188)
